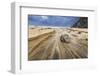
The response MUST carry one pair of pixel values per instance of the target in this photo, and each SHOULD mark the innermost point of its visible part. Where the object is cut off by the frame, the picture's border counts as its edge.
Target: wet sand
(45, 43)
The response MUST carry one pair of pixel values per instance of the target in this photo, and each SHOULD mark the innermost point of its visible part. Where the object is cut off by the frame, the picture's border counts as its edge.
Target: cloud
(52, 20)
(44, 17)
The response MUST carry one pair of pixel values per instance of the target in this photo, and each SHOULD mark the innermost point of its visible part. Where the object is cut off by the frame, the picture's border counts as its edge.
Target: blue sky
(57, 21)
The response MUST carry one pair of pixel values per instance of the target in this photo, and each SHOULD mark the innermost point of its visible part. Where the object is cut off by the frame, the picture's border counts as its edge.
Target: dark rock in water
(65, 38)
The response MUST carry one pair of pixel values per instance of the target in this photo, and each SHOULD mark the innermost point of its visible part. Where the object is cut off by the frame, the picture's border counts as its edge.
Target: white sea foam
(52, 26)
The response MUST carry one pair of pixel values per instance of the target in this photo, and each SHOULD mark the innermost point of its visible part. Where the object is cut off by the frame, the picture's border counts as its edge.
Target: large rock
(65, 38)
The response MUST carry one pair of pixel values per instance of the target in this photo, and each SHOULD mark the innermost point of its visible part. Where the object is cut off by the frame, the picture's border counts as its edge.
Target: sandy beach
(45, 43)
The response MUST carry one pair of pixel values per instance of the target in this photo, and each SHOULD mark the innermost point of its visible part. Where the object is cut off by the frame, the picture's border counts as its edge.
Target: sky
(57, 21)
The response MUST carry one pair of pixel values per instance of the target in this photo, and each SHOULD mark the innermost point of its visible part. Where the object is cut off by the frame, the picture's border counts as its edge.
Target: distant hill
(81, 23)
